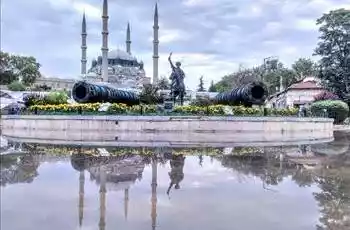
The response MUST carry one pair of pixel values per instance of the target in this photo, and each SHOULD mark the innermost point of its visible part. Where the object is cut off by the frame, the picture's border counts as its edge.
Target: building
(117, 67)
(55, 83)
(300, 93)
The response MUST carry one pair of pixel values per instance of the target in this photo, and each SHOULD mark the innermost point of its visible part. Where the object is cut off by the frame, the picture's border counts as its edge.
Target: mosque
(117, 67)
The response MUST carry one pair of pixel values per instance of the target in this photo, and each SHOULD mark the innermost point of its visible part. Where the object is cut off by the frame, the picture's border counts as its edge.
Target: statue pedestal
(168, 106)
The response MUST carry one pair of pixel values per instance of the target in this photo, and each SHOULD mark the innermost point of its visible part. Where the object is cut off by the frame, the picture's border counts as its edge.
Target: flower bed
(122, 109)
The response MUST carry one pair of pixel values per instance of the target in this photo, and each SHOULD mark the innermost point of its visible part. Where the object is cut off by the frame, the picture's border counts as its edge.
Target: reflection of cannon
(84, 92)
(250, 94)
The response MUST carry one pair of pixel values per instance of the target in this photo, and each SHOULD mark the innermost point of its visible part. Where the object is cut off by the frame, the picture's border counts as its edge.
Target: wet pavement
(272, 188)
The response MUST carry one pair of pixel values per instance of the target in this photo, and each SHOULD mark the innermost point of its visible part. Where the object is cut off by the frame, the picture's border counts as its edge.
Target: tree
(270, 73)
(241, 77)
(163, 83)
(212, 87)
(201, 85)
(149, 94)
(16, 86)
(334, 50)
(15, 67)
(304, 67)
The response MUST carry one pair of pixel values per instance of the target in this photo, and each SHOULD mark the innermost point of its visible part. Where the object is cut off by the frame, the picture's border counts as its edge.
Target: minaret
(154, 193)
(104, 48)
(128, 39)
(81, 197)
(83, 45)
(155, 45)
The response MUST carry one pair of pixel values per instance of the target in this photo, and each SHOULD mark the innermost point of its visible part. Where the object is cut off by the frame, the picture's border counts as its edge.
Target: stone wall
(175, 130)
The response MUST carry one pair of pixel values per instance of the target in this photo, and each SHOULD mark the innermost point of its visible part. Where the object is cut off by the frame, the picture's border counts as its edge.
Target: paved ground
(345, 128)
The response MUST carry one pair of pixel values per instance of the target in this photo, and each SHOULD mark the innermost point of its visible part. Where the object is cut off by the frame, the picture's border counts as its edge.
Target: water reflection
(296, 187)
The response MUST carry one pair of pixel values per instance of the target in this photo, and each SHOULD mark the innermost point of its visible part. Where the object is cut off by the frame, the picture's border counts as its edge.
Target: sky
(210, 38)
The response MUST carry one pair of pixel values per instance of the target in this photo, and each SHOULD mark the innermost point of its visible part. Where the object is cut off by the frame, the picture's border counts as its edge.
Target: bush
(53, 98)
(34, 99)
(57, 98)
(212, 110)
(325, 95)
(202, 101)
(335, 109)
(16, 86)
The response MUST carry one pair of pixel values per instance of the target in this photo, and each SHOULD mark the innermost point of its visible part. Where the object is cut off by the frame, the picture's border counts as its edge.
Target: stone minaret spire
(155, 45)
(128, 39)
(104, 48)
(83, 45)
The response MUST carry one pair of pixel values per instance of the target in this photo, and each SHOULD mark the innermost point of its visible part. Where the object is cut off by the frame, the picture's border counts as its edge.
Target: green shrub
(123, 109)
(338, 110)
(56, 98)
(16, 86)
(53, 98)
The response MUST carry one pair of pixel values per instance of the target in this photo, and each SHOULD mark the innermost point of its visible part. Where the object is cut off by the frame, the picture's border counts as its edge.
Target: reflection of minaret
(155, 45)
(126, 203)
(83, 45)
(81, 197)
(103, 178)
(154, 194)
(104, 48)
(128, 39)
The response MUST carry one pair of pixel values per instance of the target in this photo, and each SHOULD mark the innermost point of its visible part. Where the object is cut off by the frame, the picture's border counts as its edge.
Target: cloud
(210, 38)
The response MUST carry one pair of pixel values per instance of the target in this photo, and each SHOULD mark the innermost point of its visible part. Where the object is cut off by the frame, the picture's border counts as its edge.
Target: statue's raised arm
(171, 63)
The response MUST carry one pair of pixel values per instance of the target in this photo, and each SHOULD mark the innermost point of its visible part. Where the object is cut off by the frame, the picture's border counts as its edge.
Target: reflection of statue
(177, 81)
(176, 174)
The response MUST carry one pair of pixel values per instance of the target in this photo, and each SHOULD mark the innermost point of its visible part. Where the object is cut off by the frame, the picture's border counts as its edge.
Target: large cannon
(254, 93)
(86, 92)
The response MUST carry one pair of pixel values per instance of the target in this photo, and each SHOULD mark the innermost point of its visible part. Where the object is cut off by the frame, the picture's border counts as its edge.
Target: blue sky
(211, 38)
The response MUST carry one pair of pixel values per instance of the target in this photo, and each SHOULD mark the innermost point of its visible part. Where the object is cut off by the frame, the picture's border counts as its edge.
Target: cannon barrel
(86, 92)
(254, 93)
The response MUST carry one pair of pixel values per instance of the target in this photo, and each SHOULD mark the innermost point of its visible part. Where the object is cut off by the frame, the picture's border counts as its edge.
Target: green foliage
(17, 67)
(122, 109)
(304, 67)
(149, 94)
(270, 73)
(163, 83)
(56, 98)
(16, 86)
(201, 101)
(201, 85)
(241, 77)
(334, 51)
(212, 87)
(336, 109)
(53, 98)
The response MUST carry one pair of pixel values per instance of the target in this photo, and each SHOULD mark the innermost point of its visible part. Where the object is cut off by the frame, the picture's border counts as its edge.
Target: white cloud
(90, 10)
(306, 24)
(171, 35)
(211, 38)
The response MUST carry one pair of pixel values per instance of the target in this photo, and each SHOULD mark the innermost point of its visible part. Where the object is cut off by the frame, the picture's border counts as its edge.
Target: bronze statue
(177, 76)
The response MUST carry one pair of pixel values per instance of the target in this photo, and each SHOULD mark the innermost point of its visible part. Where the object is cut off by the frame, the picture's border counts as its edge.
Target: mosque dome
(120, 54)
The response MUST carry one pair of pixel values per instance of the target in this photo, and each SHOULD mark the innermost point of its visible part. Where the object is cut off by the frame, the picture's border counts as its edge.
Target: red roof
(306, 85)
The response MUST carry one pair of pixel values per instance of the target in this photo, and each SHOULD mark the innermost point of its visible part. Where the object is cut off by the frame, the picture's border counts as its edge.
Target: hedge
(213, 110)
(336, 109)
(53, 98)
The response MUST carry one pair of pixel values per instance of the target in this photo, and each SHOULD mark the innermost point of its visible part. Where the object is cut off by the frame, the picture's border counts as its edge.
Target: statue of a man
(177, 76)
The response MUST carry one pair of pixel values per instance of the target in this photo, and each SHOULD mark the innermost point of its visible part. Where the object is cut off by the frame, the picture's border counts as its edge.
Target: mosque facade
(117, 67)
